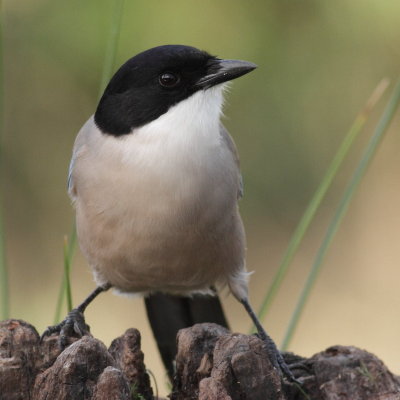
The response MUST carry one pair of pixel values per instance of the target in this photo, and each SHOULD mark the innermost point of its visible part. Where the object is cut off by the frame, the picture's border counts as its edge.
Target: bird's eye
(168, 79)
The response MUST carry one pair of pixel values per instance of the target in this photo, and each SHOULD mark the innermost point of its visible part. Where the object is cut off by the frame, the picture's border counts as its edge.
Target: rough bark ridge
(212, 364)
(236, 367)
(30, 370)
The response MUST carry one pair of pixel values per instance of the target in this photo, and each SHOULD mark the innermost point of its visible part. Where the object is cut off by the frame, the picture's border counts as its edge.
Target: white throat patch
(201, 111)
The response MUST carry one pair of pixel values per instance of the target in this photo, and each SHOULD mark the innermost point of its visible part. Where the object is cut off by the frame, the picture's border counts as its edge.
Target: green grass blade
(4, 295)
(4, 289)
(67, 273)
(69, 251)
(371, 148)
(112, 45)
(316, 200)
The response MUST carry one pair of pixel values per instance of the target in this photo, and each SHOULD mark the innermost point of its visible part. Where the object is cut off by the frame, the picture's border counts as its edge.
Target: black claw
(276, 358)
(274, 354)
(50, 330)
(286, 371)
(73, 325)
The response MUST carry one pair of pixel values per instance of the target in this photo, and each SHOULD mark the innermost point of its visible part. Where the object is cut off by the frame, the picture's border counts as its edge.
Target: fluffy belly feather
(164, 236)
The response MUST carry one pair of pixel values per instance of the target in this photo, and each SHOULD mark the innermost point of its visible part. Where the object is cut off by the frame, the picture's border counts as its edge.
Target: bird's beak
(220, 71)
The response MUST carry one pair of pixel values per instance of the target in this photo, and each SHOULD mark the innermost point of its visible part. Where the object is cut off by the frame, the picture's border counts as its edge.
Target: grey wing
(79, 150)
(226, 137)
(78, 145)
(70, 182)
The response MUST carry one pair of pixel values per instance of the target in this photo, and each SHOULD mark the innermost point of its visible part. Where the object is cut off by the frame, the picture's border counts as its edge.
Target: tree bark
(211, 364)
(84, 370)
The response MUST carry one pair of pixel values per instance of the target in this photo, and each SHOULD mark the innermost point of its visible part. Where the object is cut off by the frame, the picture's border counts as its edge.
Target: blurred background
(318, 63)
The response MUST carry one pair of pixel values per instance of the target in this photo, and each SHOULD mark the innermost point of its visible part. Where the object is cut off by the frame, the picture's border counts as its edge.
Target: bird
(155, 182)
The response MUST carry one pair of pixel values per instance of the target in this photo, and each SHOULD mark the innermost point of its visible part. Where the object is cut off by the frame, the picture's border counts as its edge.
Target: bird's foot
(73, 325)
(274, 354)
(277, 359)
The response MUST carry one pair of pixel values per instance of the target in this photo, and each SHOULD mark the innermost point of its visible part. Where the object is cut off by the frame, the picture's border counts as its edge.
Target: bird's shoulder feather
(227, 139)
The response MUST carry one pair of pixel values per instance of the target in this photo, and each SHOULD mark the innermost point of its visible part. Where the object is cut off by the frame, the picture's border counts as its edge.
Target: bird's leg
(74, 323)
(273, 352)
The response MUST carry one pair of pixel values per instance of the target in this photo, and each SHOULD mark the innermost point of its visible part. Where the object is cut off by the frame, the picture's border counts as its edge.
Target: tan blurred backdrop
(318, 63)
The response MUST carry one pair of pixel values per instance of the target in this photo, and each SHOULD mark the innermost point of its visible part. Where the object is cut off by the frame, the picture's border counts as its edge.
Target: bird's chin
(218, 88)
(225, 87)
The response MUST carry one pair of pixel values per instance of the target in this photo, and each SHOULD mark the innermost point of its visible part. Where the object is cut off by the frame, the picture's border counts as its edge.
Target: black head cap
(147, 85)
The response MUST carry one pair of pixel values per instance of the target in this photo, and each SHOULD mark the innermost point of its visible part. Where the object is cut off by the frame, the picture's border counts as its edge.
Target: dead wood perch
(212, 364)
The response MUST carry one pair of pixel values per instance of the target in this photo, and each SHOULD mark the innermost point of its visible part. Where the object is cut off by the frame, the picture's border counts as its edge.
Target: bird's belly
(174, 236)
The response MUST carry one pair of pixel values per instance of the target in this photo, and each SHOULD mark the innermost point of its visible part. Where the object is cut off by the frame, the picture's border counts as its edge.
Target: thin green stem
(4, 288)
(69, 251)
(319, 195)
(67, 273)
(5, 303)
(112, 45)
(341, 210)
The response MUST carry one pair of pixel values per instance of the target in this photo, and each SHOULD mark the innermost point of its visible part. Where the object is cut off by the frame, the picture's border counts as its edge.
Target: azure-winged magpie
(155, 182)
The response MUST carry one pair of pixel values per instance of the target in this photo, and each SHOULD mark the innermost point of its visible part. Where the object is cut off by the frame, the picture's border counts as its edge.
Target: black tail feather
(167, 314)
